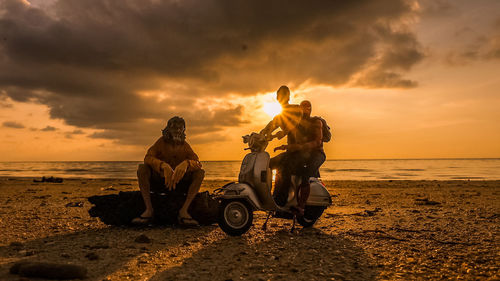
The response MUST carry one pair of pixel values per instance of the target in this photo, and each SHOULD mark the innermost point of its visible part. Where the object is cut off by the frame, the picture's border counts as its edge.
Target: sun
(272, 108)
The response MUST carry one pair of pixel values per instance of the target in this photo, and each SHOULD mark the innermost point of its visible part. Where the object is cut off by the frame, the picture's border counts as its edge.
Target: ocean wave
(410, 170)
(345, 170)
(406, 175)
(76, 170)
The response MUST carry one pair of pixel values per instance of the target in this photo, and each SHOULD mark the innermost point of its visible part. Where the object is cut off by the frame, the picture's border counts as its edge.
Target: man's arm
(192, 159)
(191, 163)
(152, 160)
(270, 127)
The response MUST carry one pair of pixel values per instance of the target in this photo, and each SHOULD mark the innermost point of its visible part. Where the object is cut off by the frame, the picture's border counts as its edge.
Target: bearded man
(170, 165)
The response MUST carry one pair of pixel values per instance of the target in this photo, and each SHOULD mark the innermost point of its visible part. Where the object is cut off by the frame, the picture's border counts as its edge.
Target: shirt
(309, 134)
(172, 154)
(287, 120)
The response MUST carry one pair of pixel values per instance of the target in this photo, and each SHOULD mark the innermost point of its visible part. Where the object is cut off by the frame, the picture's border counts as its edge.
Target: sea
(373, 169)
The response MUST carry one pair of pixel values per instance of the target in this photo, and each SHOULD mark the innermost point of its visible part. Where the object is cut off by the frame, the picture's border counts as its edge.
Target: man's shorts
(157, 184)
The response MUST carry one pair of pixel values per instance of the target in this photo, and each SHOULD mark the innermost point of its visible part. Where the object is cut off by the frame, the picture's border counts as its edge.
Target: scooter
(252, 193)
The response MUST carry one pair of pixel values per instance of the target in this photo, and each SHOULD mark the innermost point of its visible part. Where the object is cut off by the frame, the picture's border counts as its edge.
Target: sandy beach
(375, 230)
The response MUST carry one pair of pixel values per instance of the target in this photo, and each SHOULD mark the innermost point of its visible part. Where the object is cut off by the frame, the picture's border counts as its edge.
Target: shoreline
(375, 230)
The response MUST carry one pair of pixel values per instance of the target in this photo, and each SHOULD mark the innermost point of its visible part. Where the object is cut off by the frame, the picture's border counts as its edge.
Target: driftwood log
(120, 209)
(49, 270)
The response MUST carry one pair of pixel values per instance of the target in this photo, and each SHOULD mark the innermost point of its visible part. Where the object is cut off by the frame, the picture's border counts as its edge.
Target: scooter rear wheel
(235, 217)
(311, 215)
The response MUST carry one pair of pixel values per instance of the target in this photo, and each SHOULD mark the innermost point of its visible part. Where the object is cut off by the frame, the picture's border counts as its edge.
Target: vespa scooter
(252, 193)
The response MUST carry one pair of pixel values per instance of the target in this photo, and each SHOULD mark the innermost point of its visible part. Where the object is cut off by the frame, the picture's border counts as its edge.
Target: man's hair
(176, 119)
(305, 102)
(283, 95)
(168, 135)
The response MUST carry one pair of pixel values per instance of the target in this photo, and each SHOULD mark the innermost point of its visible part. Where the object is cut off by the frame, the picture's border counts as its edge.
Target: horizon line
(340, 159)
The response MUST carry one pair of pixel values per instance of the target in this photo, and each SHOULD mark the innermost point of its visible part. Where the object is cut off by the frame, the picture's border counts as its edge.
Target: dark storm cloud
(49, 129)
(13, 124)
(76, 132)
(477, 47)
(493, 50)
(436, 8)
(94, 62)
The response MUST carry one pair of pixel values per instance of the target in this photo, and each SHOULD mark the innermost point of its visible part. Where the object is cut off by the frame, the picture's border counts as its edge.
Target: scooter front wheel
(235, 217)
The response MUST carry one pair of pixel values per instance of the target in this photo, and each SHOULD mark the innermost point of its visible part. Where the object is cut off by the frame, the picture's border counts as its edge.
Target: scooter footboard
(318, 196)
(242, 191)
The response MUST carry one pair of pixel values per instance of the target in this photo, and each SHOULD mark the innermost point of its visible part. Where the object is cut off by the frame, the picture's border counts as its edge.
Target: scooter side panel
(242, 191)
(263, 180)
(319, 196)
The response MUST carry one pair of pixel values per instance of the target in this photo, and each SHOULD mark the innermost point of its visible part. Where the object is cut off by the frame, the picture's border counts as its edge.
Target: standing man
(287, 121)
(170, 165)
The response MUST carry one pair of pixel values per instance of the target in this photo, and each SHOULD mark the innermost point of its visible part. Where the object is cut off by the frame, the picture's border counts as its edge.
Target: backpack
(327, 135)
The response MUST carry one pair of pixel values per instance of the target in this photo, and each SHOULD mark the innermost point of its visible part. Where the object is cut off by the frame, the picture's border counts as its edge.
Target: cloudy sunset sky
(97, 79)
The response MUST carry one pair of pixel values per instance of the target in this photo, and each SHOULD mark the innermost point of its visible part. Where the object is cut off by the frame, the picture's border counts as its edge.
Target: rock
(142, 239)
(16, 245)
(98, 246)
(92, 256)
(26, 253)
(119, 209)
(74, 204)
(49, 270)
(426, 201)
(49, 179)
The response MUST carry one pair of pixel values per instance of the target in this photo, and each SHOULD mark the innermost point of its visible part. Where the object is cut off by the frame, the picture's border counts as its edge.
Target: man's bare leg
(198, 176)
(144, 178)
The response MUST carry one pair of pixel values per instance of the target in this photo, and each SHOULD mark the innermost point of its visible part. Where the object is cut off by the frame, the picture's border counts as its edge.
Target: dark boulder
(120, 209)
(49, 270)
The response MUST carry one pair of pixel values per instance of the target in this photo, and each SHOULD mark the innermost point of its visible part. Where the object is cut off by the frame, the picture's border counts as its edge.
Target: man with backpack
(304, 155)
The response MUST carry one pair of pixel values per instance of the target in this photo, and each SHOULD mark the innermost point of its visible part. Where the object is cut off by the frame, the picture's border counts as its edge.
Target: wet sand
(375, 230)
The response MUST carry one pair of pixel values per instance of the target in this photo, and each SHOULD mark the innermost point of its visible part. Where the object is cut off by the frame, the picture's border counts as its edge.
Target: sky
(92, 80)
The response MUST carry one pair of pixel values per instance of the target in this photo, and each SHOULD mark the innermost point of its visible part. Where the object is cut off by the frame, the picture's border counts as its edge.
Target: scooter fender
(319, 195)
(244, 191)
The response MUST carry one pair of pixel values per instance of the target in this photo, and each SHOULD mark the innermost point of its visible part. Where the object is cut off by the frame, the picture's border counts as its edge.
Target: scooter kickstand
(293, 224)
(264, 226)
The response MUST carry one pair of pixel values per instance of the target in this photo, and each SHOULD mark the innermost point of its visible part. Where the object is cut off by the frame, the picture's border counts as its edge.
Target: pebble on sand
(142, 239)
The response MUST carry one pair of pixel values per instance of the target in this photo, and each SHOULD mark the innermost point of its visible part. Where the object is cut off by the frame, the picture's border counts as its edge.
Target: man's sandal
(187, 221)
(142, 220)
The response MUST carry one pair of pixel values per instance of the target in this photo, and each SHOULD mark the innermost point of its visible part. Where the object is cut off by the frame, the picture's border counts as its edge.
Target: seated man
(170, 165)
(303, 157)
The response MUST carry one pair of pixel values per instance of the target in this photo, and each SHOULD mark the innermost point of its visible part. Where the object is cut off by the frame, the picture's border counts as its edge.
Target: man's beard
(173, 137)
